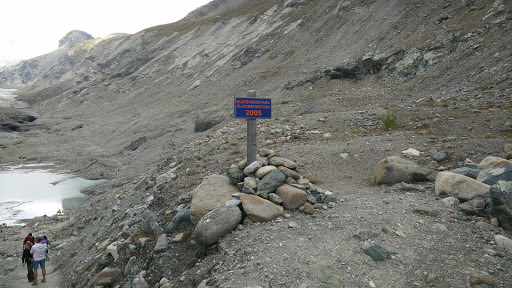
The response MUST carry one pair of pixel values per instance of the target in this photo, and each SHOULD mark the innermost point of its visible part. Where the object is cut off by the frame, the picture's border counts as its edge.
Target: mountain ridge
(158, 106)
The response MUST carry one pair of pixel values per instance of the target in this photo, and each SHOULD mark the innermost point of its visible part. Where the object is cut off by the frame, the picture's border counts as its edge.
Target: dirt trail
(13, 274)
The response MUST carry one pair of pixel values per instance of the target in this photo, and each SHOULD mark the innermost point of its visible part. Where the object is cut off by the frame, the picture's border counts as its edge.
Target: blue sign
(253, 108)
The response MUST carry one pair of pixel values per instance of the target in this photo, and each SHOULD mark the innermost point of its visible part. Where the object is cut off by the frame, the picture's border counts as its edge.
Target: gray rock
(251, 182)
(233, 202)
(464, 188)
(424, 210)
(139, 281)
(260, 173)
(129, 265)
(252, 168)
(501, 203)
(492, 161)
(235, 175)
(438, 156)
(466, 171)
(471, 208)
(270, 182)
(440, 227)
(281, 161)
(292, 197)
(504, 242)
(450, 201)
(106, 277)
(258, 209)
(312, 199)
(180, 220)
(377, 253)
(213, 193)
(105, 262)
(217, 223)
(274, 198)
(248, 190)
(394, 170)
(491, 176)
(411, 187)
(366, 234)
(161, 244)
(330, 199)
(185, 198)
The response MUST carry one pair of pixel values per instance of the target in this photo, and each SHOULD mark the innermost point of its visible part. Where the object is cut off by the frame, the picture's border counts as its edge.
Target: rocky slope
(127, 107)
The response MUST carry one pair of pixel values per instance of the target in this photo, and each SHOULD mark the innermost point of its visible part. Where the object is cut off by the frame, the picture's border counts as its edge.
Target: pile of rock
(483, 190)
(258, 192)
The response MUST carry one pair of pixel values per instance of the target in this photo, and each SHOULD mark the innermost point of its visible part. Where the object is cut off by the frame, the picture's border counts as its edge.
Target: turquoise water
(27, 193)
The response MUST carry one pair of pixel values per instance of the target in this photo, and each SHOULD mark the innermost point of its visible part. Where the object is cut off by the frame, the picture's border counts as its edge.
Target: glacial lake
(27, 192)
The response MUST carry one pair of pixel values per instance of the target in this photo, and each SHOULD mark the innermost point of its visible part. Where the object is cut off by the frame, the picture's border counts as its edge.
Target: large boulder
(107, 276)
(217, 223)
(501, 203)
(270, 182)
(491, 176)
(213, 192)
(459, 186)
(259, 209)
(292, 197)
(394, 169)
(492, 161)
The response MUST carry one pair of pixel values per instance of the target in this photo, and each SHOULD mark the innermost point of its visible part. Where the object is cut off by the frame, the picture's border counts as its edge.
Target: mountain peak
(74, 37)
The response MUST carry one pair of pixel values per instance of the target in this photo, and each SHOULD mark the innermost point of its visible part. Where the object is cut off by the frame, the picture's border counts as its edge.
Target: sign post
(252, 108)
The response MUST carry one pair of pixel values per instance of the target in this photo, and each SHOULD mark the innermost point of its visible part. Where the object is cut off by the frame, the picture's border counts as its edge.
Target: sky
(30, 28)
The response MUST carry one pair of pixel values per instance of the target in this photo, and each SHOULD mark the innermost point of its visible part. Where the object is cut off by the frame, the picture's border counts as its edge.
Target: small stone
(480, 278)
(248, 190)
(450, 201)
(252, 168)
(485, 226)
(309, 209)
(426, 211)
(366, 234)
(293, 224)
(161, 244)
(274, 198)
(377, 253)
(440, 227)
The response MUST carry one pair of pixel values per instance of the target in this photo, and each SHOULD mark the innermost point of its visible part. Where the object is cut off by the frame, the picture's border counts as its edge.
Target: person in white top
(38, 252)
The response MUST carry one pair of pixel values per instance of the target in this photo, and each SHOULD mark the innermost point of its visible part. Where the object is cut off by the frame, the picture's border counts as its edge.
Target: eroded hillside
(159, 102)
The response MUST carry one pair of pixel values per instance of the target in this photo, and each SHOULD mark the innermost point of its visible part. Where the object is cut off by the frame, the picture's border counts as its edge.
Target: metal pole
(252, 145)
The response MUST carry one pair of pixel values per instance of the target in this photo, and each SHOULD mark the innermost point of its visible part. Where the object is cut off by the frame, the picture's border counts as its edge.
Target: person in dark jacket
(30, 239)
(27, 259)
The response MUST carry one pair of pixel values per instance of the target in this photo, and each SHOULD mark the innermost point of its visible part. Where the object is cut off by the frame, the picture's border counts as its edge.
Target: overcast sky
(29, 28)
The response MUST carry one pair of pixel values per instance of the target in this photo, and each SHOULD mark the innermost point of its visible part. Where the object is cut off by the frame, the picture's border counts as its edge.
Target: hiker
(48, 246)
(27, 259)
(29, 238)
(38, 253)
